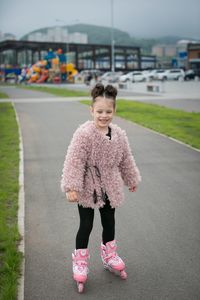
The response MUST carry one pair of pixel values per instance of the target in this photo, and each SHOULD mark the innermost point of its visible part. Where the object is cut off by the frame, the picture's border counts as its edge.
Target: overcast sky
(140, 18)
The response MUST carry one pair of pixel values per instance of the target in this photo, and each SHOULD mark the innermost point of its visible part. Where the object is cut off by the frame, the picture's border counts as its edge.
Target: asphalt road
(157, 229)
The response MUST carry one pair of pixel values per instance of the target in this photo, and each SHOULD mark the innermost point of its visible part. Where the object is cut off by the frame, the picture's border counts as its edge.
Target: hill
(96, 34)
(102, 35)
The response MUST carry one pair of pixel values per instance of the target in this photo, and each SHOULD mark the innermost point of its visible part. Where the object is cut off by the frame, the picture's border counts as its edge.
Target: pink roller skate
(80, 267)
(111, 260)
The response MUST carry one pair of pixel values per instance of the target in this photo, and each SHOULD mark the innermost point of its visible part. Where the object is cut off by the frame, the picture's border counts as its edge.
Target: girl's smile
(103, 111)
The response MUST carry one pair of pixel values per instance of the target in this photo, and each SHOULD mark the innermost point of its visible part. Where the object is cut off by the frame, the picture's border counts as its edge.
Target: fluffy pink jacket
(89, 149)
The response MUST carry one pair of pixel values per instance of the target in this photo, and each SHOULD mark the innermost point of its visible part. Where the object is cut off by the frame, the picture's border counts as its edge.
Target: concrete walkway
(157, 228)
(178, 95)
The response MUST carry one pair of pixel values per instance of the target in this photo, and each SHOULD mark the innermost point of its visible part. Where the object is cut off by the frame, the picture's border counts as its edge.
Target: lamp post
(112, 41)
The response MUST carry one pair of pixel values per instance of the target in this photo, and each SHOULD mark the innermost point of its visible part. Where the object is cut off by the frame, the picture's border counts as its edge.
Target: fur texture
(89, 149)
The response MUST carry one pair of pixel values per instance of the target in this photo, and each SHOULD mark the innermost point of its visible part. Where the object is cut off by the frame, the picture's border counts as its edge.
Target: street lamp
(112, 41)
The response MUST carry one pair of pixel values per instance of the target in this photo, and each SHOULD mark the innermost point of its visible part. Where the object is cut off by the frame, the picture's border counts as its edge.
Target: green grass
(60, 92)
(10, 258)
(181, 125)
(3, 95)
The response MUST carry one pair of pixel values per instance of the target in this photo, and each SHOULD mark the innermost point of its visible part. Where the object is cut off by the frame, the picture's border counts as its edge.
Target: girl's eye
(107, 112)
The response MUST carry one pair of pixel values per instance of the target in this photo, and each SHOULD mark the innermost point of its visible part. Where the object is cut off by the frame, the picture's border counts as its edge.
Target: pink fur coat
(94, 162)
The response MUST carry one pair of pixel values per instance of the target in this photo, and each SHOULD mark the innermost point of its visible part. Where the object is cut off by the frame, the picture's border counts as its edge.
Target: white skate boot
(111, 260)
(80, 267)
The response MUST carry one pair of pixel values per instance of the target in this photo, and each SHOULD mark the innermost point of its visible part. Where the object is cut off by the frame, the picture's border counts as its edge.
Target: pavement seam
(21, 210)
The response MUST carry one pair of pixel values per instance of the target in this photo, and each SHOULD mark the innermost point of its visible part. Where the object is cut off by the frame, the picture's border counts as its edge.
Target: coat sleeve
(74, 164)
(128, 169)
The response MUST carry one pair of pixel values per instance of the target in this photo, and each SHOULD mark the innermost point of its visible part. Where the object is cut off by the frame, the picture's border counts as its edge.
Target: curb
(21, 210)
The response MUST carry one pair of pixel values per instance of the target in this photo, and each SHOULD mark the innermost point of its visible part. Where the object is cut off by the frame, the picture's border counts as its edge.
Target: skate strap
(112, 255)
(80, 260)
(81, 255)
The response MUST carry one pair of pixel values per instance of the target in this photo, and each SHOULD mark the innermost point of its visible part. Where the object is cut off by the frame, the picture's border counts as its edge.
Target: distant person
(98, 161)
(22, 76)
(88, 78)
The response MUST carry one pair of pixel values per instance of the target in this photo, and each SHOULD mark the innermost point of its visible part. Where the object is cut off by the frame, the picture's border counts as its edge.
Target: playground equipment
(53, 69)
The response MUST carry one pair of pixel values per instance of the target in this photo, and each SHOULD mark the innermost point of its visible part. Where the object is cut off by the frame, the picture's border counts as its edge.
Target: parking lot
(173, 94)
(167, 89)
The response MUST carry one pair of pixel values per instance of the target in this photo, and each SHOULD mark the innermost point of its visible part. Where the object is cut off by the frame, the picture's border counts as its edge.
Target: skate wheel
(123, 274)
(80, 287)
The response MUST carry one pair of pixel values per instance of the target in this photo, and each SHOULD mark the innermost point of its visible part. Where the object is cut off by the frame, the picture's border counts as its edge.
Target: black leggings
(107, 214)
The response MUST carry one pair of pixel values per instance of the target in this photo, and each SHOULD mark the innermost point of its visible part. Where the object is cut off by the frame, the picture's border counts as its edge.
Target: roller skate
(80, 267)
(111, 260)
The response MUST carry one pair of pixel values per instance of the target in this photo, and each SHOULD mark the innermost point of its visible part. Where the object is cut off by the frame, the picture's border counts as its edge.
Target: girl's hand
(133, 189)
(72, 196)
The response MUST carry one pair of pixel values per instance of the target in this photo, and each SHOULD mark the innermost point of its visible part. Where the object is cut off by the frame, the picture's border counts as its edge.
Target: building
(57, 34)
(83, 56)
(164, 54)
(158, 50)
(77, 37)
(193, 50)
(7, 36)
(170, 50)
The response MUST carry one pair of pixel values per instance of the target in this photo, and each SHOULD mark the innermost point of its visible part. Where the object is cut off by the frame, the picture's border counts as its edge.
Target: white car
(153, 74)
(133, 76)
(172, 74)
(110, 77)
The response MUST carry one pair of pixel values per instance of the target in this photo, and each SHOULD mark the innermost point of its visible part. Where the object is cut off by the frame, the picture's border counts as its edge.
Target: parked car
(87, 75)
(189, 75)
(171, 74)
(134, 76)
(153, 74)
(110, 77)
(148, 74)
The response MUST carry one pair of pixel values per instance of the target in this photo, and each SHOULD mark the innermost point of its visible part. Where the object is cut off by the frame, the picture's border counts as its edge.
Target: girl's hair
(108, 91)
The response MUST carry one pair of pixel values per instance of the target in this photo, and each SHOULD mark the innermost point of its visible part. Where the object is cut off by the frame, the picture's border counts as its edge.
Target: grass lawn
(60, 92)
(10, 258)
(3, 95)
(183, 126)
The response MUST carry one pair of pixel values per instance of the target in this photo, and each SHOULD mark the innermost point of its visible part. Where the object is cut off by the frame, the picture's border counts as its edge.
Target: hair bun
(99, 90)
(110, 91)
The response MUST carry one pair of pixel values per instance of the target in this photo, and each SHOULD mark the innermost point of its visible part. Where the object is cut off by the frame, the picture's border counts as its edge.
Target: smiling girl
(98, 162)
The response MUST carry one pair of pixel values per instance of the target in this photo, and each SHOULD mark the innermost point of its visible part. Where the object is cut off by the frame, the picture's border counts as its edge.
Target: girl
(97, 163)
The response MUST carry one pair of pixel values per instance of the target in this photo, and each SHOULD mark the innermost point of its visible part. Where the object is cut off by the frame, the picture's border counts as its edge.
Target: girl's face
(103, 111)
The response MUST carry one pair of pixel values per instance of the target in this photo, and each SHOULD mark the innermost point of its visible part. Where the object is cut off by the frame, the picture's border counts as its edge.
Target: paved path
(18, 93)
(157, 228)
(178, 95)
